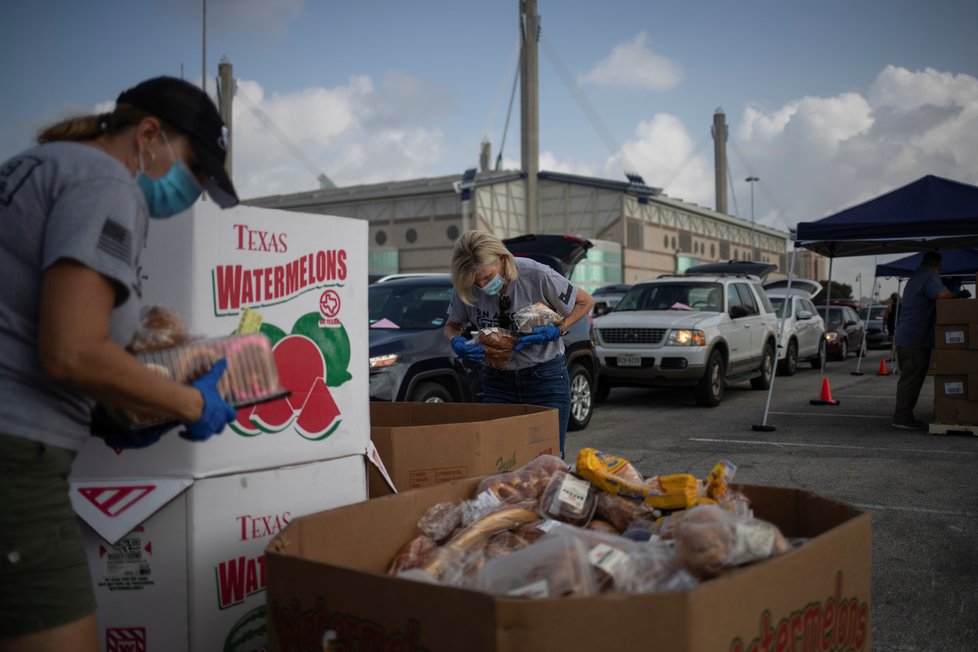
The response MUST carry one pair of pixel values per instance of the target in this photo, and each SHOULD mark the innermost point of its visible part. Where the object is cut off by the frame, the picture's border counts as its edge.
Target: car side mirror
(736, 312)
(804, 314)
(601, 310)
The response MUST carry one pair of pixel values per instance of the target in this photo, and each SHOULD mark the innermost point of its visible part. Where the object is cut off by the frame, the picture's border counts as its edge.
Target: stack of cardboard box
(176, 532)
(955, 366)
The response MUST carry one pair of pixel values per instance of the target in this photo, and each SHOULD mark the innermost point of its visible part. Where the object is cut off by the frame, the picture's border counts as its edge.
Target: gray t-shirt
(918, 310)
(61, 201)
(535, 282)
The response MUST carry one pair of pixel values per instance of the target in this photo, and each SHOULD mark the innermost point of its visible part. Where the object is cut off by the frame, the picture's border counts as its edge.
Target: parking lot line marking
(919, 510)
(860, 448)
(835, 414)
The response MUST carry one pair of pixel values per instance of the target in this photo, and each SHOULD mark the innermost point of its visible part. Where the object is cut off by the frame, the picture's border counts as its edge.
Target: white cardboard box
(307, 276)
(178, 564)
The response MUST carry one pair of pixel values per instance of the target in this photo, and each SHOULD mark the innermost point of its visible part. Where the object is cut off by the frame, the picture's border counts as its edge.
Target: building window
(411, 236)
(674, 242)
(713, 250)
(452, 232)
(381, 237)
(665, 242)
(724, 250)
(635, 232)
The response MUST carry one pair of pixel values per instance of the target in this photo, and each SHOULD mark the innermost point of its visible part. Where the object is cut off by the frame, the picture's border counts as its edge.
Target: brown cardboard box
(951, 387)
(954, 412)
(952, 337)
(957, 311)
(954, 363)
(427, 443)
(973, 336)
(328, 571)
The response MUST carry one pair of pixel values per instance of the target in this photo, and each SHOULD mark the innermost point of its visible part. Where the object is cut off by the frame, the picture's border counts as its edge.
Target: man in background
(915, 336)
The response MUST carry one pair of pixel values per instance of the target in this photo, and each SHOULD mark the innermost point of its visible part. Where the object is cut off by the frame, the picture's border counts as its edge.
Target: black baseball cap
(189, 109)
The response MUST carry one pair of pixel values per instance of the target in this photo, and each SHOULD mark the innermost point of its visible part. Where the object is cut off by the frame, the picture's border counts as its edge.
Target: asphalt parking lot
(920, 489)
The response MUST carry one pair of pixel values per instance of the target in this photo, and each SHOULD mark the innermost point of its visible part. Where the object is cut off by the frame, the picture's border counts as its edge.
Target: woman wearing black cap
(74, 213)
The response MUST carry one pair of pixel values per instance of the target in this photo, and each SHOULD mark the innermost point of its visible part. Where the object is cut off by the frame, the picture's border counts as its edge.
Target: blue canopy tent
(929, 214)
(954, 262)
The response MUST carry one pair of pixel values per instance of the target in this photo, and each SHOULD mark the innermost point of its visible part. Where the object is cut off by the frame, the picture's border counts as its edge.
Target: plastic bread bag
(533, 532)
(611, 557)
(552, 567)
(537, 314)
(569, 499)
(441, 519)
(657, 569)
(524, 483)
(709, 540)
(413, 554)
(475, 536)
(498, 345)
(617, 476)
(719, 479)
(159, 328)
(622, 512)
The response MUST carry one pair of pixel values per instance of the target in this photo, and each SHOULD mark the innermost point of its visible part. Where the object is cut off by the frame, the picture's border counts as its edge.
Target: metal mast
(225, 95)
(720, 158)
(530, 110)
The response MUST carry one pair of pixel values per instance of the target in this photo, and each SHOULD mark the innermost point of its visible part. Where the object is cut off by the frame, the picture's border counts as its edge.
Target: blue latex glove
(467, 351)
(217, 412)
(140, 439)
(963, 294)
(540, 335)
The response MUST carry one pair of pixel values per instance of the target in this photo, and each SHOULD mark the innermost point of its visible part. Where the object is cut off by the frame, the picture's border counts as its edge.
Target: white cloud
(633, 65)
(352, 132)
(660, 151)
(549, 163)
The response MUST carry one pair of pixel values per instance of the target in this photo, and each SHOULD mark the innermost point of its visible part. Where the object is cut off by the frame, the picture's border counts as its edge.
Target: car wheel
(430, 393)
(581, 397)
(817, 361)
(601, 390)
(709, 390)
(767, 369)
(789, 365)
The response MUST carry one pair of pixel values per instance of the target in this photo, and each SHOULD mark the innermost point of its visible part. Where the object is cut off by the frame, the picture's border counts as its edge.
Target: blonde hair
(88, 127)
(474, 250)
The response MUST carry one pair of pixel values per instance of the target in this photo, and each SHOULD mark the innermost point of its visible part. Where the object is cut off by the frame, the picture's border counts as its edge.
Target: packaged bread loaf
(498, 345)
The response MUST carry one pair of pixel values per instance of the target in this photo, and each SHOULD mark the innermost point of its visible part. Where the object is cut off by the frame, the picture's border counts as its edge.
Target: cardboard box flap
(114, 507)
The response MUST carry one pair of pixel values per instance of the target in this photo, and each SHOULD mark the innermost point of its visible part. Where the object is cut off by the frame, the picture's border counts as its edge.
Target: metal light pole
(751, 181)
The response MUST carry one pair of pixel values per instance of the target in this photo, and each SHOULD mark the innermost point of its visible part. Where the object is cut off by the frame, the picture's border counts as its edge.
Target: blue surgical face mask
(173, 193)
(493, 287)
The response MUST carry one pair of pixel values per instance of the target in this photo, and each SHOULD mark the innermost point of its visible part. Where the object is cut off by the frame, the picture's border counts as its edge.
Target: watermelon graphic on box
(310, 360)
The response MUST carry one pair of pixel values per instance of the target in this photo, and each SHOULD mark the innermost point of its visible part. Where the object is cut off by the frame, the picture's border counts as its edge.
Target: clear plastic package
(526, 482)
(159, 328)
(552, 567)
(498, 345)
(441, 519)
(709, 540)
(534, 315)
(569, 499)
(611, 557)
(251, 377)
(413, 554)
(621, 512)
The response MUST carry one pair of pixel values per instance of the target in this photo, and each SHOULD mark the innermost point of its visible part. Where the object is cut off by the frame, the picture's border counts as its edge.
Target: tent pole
(896, 321)
(824, 381)
(788, 301)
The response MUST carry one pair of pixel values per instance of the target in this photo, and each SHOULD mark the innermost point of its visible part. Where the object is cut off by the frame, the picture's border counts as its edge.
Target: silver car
(804, 329)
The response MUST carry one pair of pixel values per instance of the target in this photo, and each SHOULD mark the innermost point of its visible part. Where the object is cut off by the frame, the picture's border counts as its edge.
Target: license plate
(629, 361)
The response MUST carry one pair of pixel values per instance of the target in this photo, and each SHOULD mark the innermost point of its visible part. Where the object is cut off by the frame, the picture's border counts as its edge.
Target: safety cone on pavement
(826, 396)
(883, 370)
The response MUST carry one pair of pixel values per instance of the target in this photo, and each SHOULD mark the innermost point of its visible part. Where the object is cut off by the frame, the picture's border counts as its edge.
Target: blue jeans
(546, 384)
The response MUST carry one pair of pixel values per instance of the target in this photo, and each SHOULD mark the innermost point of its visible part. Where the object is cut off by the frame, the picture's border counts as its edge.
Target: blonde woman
(75, 212)
(490, 287)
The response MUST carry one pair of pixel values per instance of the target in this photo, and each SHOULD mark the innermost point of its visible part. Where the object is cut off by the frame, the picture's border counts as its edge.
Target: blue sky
(829, 103)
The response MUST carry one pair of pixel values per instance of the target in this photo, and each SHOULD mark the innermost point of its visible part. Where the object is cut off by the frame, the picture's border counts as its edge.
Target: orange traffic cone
(883, 370)
(826, 397)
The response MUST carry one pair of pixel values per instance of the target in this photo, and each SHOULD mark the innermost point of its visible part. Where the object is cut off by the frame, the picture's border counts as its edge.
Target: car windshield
(417, 307)
(778, 302)
(673, 296)
(835, 317)
(873, 314)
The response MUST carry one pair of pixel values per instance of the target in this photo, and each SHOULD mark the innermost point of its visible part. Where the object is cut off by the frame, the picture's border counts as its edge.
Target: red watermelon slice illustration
(300, 363)
(320, 415)
(243, 425)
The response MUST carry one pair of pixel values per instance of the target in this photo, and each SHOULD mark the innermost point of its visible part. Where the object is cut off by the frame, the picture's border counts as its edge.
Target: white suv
(702, 331)
(804, 330)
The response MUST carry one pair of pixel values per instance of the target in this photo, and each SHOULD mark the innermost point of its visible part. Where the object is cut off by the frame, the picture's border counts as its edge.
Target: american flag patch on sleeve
(116, 240)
